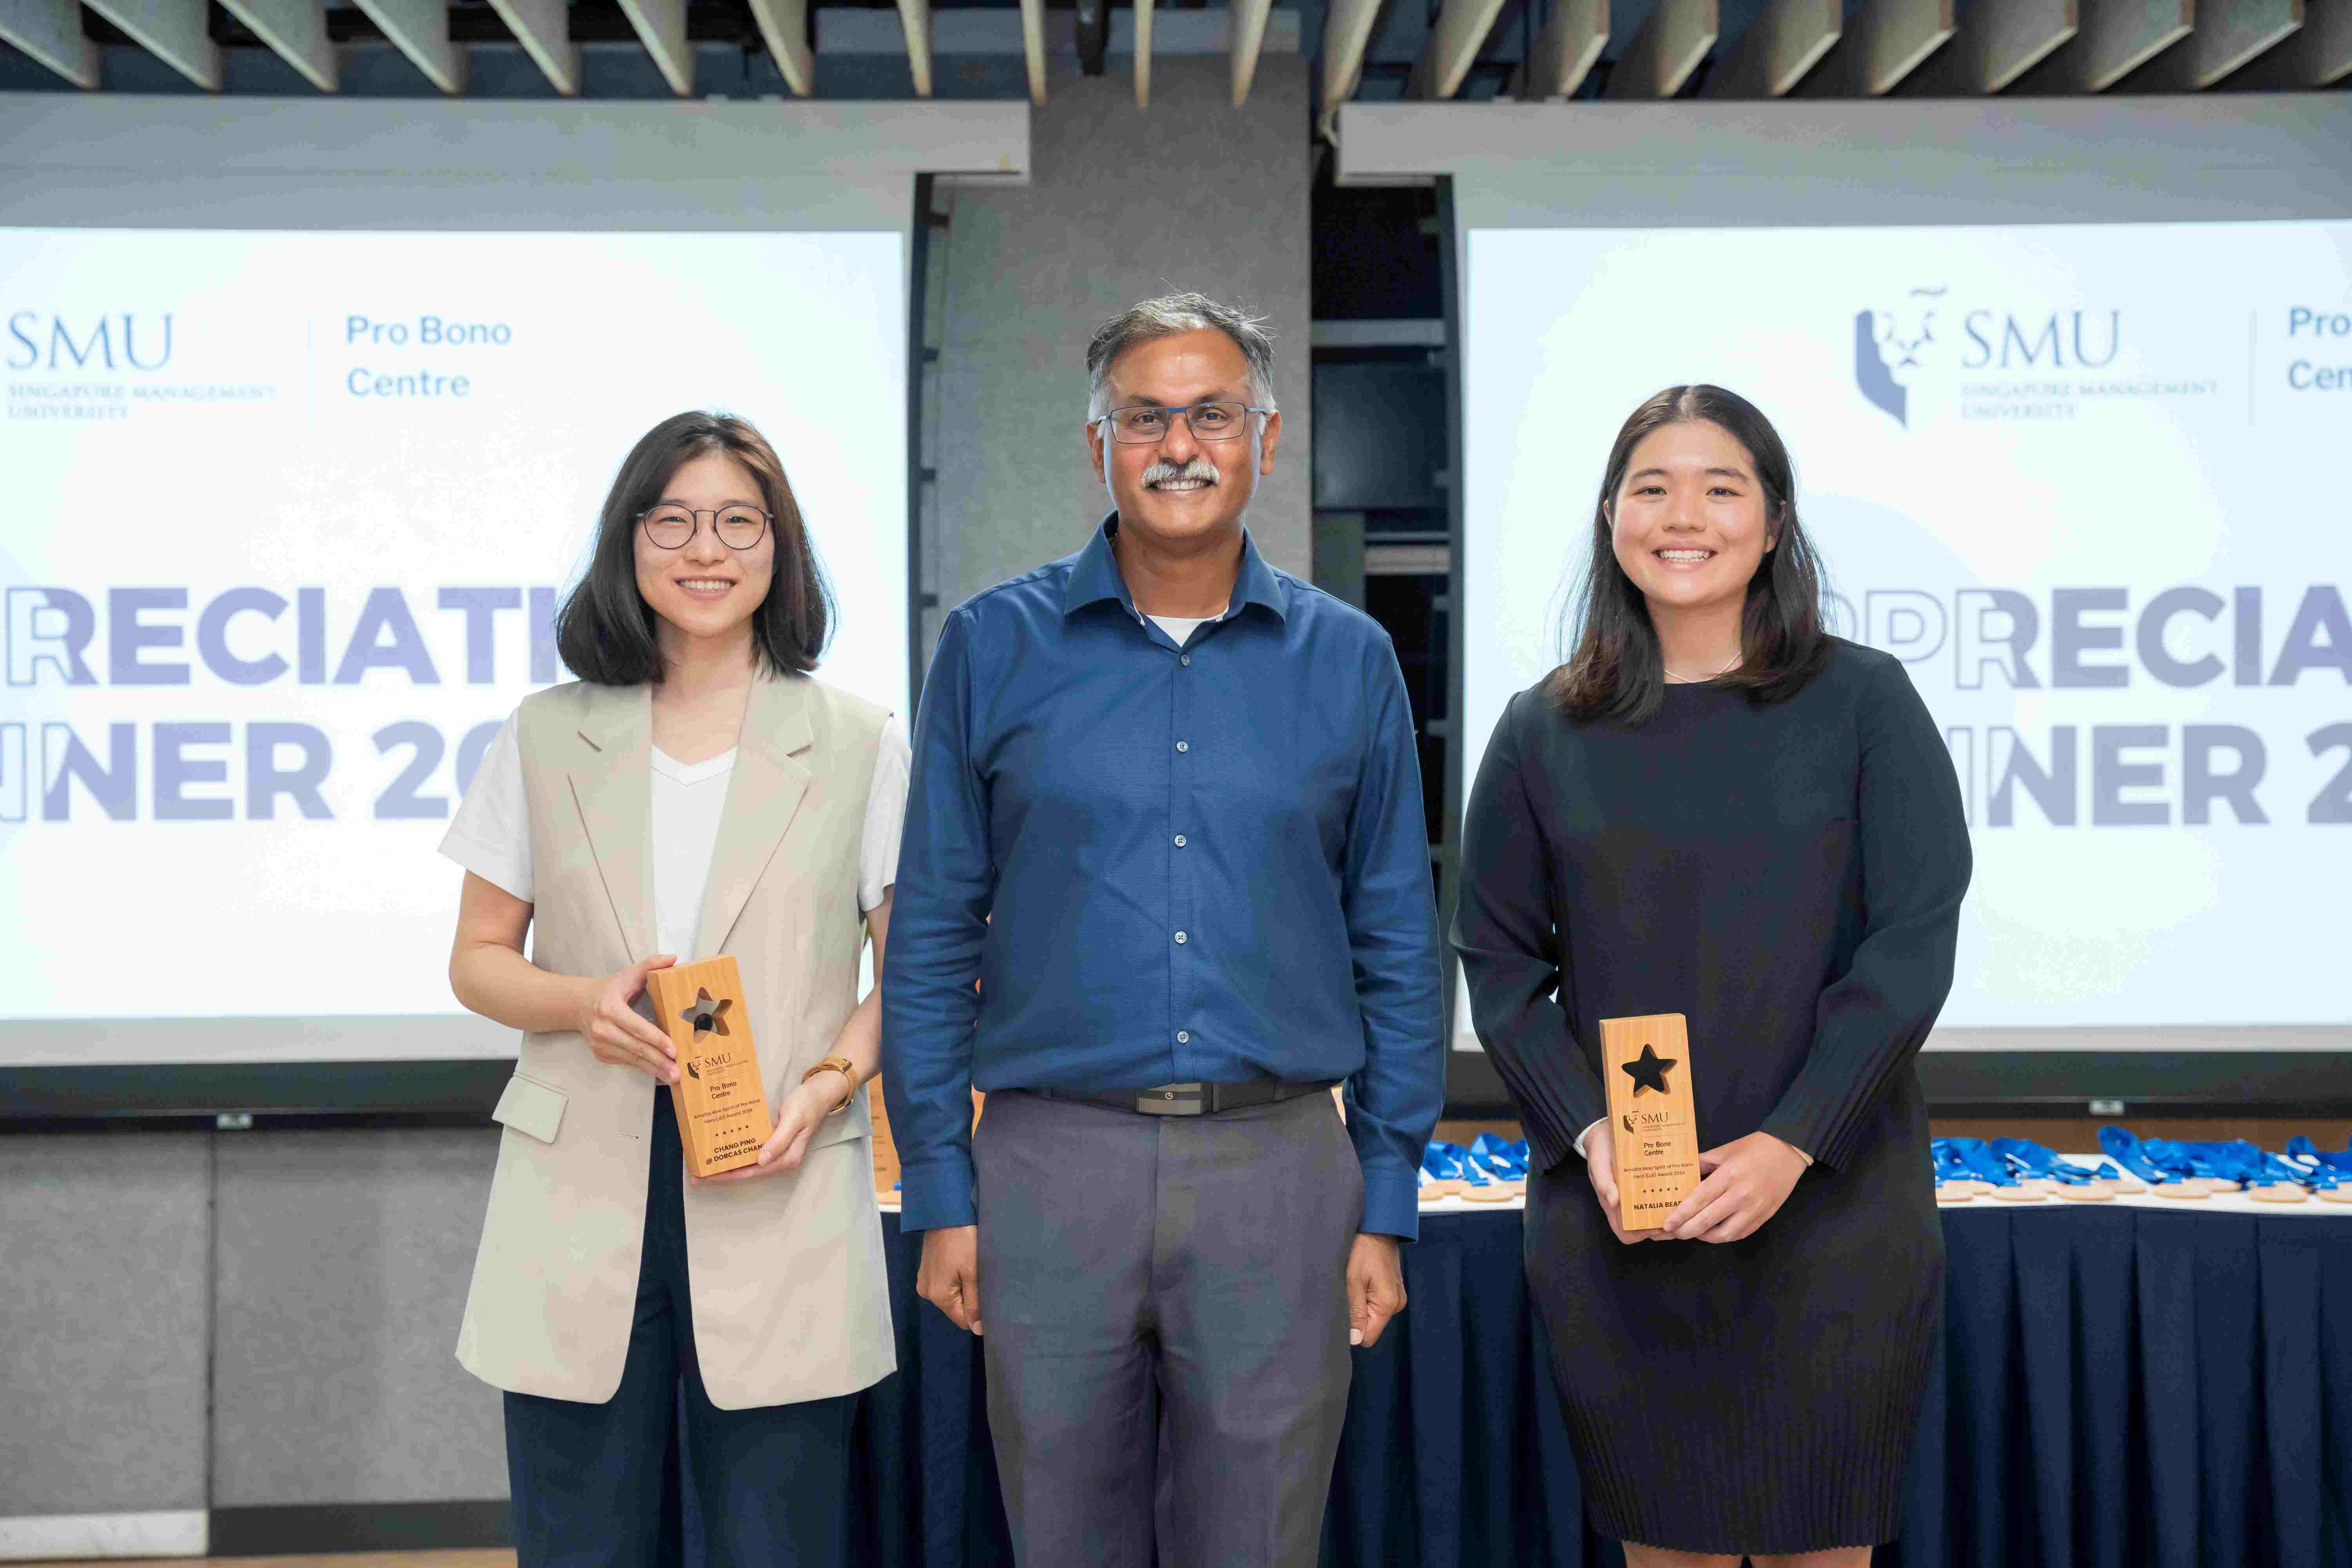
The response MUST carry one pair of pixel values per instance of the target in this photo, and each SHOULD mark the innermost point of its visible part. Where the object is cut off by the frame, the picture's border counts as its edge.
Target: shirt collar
(1095, 577)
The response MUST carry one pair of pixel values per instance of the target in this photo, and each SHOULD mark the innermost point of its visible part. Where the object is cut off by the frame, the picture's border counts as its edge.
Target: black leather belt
(1192, 1099)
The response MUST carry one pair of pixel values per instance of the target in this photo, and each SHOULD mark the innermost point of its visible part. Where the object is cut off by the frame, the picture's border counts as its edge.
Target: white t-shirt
(1180, 628)
(490, 835)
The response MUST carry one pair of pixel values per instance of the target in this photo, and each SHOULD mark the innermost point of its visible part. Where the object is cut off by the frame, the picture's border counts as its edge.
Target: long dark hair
(605, 629)
(1616, 671)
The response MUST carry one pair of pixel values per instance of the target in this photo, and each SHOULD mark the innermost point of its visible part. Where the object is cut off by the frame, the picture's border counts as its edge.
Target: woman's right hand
(617, 1033)
(1600, 1164)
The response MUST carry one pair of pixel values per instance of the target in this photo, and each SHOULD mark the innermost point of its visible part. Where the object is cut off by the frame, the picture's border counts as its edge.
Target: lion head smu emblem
(1887, 345)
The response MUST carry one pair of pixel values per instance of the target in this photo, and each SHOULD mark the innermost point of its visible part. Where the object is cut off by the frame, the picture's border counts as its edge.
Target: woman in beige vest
(696, 794)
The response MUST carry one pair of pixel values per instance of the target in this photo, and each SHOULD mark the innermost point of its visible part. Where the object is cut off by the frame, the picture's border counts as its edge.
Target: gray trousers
(1164, 1302)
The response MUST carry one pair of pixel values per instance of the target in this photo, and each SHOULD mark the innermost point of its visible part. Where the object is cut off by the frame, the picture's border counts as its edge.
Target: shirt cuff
(936, 1196)
(1391, 1205)
(1782, 1125)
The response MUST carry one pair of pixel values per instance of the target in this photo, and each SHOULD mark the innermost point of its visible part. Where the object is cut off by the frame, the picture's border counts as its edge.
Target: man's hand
(1375, 1287)
(1746, 1181)
(949, 1276)
(1600, 1164)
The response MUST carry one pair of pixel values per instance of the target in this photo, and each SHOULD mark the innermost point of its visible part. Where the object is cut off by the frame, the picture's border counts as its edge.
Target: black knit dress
(1788, 877)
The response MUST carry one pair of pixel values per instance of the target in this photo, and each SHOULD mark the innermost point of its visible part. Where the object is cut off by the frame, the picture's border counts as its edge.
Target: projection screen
(302, 449)
(2062, 381)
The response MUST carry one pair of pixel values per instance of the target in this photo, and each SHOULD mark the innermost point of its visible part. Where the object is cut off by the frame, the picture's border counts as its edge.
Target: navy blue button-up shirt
(1163, 866)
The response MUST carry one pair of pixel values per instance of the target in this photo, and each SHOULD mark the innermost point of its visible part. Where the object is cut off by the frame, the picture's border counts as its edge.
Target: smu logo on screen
(125, 341)
(1894, 349)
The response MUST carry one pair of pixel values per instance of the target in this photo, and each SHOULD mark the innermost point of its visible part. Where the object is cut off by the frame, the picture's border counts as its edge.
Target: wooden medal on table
(1652, 1119)
(722, 1109)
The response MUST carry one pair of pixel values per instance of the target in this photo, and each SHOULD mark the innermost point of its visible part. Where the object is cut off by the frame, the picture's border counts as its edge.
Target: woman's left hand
(796, 1122)
(1746, 1182)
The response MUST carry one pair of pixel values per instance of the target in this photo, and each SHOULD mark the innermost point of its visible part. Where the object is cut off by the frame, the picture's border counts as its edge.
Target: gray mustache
(1161, 473)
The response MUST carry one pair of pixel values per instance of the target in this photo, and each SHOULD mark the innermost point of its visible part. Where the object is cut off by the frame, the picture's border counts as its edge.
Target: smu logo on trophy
(1887, 345)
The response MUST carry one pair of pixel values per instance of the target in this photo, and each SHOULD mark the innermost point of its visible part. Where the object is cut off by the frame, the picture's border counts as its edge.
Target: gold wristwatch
(840, 1064)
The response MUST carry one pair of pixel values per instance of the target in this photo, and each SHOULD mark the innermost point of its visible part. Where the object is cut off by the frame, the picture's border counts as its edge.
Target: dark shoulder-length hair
(1615, 669)
(605, 629)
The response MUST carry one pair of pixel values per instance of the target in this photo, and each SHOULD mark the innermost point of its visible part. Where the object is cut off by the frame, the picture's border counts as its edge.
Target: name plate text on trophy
(1652, 1119)
(723, 1110)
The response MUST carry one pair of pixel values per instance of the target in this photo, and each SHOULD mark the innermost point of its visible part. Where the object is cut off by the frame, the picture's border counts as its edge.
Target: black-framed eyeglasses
(1208, 421)
(737, 527)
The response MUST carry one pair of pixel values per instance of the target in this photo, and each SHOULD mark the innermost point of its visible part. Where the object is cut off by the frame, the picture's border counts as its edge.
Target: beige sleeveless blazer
(790, 1299)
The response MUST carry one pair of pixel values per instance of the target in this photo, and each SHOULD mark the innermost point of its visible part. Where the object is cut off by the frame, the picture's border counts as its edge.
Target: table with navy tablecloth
(2119, 1385)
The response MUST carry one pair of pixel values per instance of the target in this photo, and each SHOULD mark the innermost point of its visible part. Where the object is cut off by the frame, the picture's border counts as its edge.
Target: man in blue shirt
(1166, 812)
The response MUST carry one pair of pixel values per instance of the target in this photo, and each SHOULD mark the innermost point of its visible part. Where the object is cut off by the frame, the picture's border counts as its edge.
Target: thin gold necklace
(1694, 681)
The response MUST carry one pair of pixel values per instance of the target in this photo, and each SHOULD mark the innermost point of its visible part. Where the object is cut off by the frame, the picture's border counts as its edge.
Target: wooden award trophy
(1652, 1119)
(722, 1111)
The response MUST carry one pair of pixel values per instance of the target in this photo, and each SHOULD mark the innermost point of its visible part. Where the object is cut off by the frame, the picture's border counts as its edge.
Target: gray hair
(1164, 318)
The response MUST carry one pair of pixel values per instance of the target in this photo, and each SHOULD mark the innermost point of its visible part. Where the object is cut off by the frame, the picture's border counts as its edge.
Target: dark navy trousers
(658, 1477)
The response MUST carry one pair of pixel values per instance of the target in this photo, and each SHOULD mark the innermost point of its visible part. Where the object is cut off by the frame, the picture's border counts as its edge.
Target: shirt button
(1183, 746)
(1184, 658)
(1183, 1036)
(1181, 939)
(1180, 841)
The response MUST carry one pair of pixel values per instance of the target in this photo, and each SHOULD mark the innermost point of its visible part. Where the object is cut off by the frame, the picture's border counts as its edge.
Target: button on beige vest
(786, 1273)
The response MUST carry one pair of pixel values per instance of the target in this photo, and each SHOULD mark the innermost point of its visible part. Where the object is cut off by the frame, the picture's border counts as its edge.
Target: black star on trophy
(1649, 1072)
(705, 1015)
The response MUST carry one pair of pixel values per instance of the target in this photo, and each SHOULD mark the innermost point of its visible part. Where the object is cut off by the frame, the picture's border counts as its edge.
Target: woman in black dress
(1717, 809)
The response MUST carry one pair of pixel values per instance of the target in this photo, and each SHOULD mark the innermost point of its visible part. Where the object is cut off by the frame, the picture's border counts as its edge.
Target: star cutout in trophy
(1648, 1072)
(705, 1015)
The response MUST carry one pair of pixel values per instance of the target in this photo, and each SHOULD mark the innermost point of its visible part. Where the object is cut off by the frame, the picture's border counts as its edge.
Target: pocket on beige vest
(529, 1106)
(836, 1129)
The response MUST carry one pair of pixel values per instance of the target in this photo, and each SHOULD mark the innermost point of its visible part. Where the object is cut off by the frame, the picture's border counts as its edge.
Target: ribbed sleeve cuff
(935, 1195)
(1553, 1117)
(1392, 1204)
(1546, 1146)
(1824, 1138)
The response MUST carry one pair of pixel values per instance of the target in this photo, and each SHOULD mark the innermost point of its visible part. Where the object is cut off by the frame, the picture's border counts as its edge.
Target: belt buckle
(1173, 1100)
